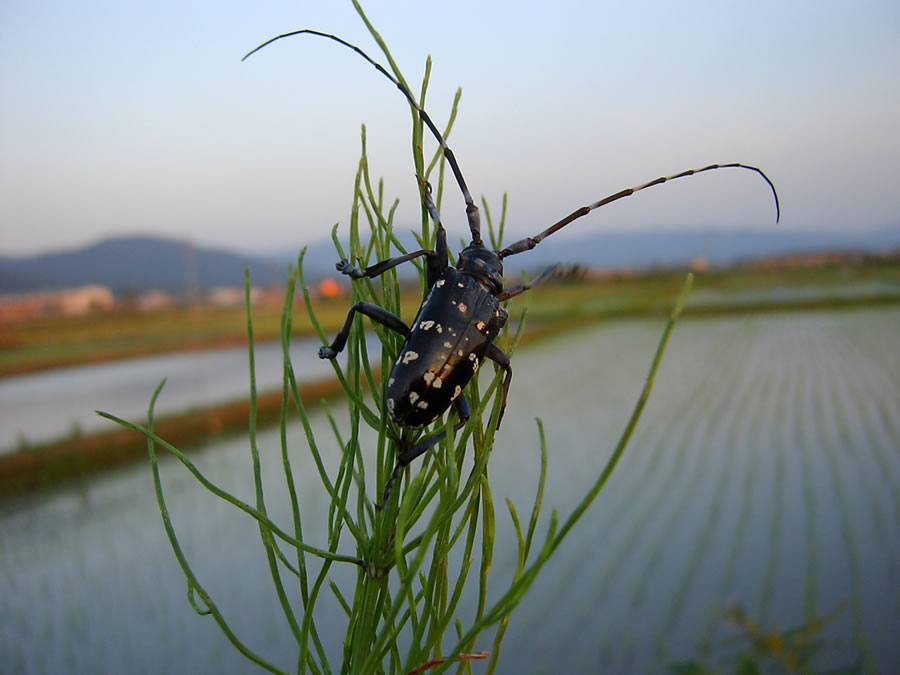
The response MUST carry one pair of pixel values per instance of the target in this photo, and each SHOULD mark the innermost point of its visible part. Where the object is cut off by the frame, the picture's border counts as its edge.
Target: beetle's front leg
(351, 270)
(374, 312)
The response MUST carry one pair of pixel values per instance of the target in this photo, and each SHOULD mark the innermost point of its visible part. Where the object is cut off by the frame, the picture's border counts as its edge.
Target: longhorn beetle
(461, 315)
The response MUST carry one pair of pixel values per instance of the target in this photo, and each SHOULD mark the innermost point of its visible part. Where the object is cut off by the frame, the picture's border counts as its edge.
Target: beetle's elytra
(461, 313)
(451, 334)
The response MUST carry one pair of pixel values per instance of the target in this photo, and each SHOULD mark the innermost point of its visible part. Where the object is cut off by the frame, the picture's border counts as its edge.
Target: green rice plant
(433, 542)
(801, 433)
(738, 441)
(839, 491)
(870, 464)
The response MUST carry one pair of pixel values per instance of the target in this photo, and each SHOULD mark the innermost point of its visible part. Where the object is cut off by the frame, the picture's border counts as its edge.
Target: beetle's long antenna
(529, 243)
(472, 213)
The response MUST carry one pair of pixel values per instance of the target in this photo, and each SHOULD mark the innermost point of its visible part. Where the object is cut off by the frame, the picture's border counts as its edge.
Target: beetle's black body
(461, 313)
(453, 332)
(450, 336)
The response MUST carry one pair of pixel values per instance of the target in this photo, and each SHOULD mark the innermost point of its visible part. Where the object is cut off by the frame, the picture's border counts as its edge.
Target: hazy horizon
(124, 120)
(289, 250)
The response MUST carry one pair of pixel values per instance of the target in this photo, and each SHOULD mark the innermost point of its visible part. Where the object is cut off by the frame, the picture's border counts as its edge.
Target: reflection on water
(766, 472)
(49, 405)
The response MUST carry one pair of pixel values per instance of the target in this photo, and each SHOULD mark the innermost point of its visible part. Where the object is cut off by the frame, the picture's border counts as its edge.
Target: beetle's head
(484, 264)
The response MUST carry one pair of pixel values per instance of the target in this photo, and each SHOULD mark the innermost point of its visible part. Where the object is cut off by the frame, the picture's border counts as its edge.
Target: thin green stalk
(194, 586)
(222, 494)
(266, 536)
(555, 537)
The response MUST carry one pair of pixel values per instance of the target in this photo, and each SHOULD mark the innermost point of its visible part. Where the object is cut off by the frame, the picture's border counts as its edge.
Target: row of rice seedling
(841, 470)
(738, 477)
(740, 429)
(765, 481)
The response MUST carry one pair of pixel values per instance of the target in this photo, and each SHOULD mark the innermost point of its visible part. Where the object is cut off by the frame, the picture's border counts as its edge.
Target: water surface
(48, 405)
(765, 472)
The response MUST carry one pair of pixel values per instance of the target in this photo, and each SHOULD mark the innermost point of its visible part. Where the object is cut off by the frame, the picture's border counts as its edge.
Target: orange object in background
(329, 288)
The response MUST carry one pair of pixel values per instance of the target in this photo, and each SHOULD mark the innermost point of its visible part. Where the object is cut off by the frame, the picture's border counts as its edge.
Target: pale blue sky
(137, 117)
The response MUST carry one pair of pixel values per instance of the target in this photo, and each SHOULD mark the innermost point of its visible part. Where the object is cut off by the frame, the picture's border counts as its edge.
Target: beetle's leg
(346, 267)
(529, 243)
(508, 293)
(461, 405)
(374, 312)
(495, 354)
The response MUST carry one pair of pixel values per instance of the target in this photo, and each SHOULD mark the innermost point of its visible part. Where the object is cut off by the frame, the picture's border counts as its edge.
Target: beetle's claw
(345, 267)
(326, 352)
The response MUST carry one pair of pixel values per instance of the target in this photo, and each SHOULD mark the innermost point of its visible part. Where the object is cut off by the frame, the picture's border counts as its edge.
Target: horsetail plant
(403, 608)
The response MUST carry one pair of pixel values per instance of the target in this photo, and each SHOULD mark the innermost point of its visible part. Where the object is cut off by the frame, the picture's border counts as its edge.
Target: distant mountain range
(134, 264)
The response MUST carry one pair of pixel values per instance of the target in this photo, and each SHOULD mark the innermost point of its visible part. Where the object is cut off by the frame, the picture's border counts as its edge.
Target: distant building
(154, 301)
(69, 301)
(700, 264)
(231, 296)
(76, 301)
(815, 259)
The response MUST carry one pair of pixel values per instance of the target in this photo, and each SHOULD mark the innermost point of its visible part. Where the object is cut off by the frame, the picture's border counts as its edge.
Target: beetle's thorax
(485, 265)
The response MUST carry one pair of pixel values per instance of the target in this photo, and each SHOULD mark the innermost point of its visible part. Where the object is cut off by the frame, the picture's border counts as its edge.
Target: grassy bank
(45, 343)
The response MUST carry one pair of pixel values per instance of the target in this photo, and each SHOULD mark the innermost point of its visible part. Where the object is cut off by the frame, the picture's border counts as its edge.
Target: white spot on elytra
(439, 283)
(448, 345)
(432, 380)
(422, 404)
(479, 325)
(439, 329)
(456, 393)
(413, 397)
(391, 382)
(460, 284)
(426, 325)
(462, 307)
(390, 405)
(459, 352)
(409, 356)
